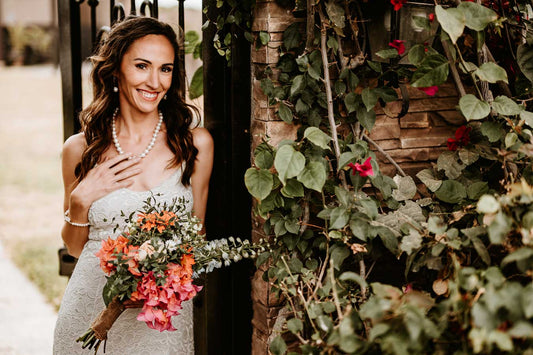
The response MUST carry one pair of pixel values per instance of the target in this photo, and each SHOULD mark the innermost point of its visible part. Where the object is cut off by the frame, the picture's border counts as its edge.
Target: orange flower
(105, 254)
(146, 221)
(108, 251)
(187, 261)
(121, 244)
(159, 221)
(165, 216)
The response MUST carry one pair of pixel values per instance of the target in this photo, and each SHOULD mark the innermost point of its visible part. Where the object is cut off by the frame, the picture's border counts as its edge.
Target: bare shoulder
(73, 148)
(202, 139)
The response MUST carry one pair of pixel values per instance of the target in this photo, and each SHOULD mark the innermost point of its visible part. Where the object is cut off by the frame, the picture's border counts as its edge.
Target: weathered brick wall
(417, 138)
(271, 18)
(413, 141)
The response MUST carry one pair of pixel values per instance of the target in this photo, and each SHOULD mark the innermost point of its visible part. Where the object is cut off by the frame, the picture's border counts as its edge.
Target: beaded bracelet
(67, 219)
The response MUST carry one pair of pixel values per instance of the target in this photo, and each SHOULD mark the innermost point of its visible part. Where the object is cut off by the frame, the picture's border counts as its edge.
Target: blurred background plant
(30, 45)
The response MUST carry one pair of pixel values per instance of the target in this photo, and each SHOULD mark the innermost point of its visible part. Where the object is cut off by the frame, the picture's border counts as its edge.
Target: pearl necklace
(150, 145)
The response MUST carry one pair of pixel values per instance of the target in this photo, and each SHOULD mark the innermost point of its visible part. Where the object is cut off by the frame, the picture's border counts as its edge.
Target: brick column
(268, 17)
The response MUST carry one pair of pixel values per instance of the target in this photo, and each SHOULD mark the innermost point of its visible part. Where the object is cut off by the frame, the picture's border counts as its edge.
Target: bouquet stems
(101, 325)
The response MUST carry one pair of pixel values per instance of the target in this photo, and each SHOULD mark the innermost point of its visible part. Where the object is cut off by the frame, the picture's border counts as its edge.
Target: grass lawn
(30, 176)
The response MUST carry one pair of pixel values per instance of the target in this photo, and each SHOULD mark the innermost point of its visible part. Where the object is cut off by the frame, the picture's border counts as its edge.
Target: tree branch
(389, 158)
(329, 95)
(455, 74)
(310, 27)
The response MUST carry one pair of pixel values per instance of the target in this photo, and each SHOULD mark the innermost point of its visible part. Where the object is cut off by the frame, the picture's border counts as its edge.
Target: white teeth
(148, 95)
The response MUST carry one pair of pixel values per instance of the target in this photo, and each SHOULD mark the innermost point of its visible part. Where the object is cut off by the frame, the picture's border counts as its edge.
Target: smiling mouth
(150, 96)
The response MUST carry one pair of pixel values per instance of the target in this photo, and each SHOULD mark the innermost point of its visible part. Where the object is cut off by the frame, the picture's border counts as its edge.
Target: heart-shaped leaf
(288, 162)
(452, 21)
(473, 108)
(476, 15)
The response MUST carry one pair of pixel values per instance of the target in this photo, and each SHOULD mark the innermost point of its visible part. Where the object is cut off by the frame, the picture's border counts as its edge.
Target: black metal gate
(223, 310)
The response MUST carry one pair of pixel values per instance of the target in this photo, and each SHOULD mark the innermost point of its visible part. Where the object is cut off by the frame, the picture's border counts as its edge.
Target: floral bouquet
(153, 263)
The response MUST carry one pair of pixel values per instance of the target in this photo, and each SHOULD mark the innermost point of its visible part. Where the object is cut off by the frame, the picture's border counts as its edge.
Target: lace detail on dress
(82, 300)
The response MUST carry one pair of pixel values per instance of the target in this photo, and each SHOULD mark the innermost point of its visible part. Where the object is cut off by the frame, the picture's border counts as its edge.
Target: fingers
(121, 158)
(124, 165)
(127, 173)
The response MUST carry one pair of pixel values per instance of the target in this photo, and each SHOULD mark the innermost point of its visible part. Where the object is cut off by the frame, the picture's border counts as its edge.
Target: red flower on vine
(364, 169)
(462, 138)
(430, 90)
(397, 4)
(398, 45)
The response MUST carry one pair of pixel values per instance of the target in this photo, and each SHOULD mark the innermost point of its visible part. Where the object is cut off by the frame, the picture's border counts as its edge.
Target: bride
(136, 141)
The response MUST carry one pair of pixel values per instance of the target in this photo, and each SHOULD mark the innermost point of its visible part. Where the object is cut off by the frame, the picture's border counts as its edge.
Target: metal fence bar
(70, 63)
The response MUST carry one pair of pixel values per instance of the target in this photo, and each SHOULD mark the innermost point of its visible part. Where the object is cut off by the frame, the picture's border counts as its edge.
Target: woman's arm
(111, 175)
(73, 237)
(203, 166)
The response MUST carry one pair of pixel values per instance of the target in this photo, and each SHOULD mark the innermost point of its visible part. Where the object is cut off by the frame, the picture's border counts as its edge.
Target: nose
(153, 79)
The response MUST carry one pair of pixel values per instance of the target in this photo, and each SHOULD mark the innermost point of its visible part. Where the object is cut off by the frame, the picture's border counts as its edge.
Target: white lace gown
(82, 301)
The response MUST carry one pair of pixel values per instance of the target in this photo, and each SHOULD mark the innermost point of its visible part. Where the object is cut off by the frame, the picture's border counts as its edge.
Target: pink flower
(397, 4)
(188, 291)
(398, 44)
(147, 289)
(462, 138)
(430, 90)
(463, 135)
(452, 144)
(155, 318)
(364, 169)
(174, 304)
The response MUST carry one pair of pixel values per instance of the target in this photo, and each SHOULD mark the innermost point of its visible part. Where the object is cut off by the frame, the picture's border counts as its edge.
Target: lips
(148, 95)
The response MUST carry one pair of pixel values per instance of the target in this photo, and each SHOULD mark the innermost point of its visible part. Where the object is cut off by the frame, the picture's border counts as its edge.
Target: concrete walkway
(27, 323)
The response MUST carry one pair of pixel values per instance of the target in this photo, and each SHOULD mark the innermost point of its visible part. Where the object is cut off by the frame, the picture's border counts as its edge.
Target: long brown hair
(96, 118)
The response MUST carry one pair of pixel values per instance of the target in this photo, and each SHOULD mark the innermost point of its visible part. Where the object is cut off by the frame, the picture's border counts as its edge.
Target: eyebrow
(149, 62)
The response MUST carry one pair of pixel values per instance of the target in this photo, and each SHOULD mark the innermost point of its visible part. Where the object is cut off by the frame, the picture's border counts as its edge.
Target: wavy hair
(97, 117)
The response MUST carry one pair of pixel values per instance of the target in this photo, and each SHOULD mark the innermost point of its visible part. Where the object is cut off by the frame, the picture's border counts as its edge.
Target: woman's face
(145, 73)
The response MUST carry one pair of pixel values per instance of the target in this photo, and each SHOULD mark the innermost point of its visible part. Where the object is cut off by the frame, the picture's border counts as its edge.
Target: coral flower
(187, 261)
(462, 138)
(133, 264)
(430, 90)
(108, 252)
(398, 45)
(397, 4)
(364, 169)
(155, 318)
(105, 254)
(146, 221)
(158, 221)
(147, 289)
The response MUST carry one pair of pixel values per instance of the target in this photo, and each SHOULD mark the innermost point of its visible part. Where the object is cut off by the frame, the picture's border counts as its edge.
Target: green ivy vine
(372, 264)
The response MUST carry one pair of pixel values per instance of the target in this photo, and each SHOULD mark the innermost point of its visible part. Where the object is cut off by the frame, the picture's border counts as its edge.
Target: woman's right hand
(113, 174)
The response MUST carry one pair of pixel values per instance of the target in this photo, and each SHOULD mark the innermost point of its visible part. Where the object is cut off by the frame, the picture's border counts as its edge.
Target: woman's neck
(136, 125)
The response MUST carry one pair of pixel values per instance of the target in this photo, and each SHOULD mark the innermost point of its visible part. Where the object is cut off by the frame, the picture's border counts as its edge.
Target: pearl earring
(115, 89)
(165, 97)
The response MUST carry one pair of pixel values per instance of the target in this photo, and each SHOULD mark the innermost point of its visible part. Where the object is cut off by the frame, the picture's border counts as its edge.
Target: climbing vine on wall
(368, 263)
